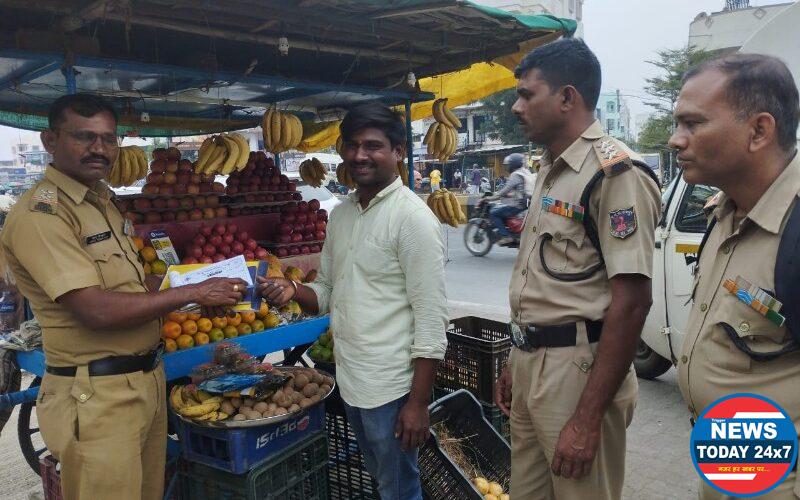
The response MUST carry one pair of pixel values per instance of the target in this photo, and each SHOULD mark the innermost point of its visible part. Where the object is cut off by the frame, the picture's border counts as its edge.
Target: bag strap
(787, 272)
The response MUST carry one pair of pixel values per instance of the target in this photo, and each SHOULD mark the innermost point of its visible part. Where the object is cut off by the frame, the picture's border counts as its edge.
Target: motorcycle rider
(517, 190)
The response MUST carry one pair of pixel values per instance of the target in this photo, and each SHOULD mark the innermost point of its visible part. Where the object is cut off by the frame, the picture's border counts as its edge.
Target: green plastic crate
(297, 473)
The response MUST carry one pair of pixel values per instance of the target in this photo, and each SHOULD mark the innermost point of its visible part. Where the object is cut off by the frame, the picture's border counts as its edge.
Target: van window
(690, 218)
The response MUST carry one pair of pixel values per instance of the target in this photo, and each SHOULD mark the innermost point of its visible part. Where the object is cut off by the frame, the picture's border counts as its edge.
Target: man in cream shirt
(382, 279)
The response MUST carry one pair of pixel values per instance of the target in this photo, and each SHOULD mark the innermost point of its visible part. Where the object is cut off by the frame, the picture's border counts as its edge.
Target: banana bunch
(343, 177)
(339, 144)
(445, 206)
(131, 165)
(402, 171)
(313, 172)
(222, 154)
(442, 136)
(282, 131)
(196, 404)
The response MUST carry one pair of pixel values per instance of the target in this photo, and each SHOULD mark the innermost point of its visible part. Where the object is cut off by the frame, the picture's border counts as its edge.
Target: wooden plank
(411, 11)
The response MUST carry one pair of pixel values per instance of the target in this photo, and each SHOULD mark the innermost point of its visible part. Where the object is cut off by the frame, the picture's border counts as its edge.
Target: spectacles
(86, 138)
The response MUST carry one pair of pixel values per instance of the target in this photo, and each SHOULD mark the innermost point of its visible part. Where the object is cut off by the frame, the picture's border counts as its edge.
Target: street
(658, 462)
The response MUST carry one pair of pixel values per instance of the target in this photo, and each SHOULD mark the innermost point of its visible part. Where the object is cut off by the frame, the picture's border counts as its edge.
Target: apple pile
(219, 242)
(301, 229)
(260, 175)
(169, 174)
(157, 210)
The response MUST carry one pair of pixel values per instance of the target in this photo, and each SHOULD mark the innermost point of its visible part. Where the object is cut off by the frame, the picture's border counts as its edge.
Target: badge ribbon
(573, 211)
(758, 300)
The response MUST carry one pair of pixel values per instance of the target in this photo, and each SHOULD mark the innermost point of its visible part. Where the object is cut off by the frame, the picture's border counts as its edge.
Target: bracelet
(295, 289)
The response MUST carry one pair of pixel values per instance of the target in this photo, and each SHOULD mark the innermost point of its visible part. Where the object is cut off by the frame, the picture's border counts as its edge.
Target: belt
(532, 337)
(114, 365)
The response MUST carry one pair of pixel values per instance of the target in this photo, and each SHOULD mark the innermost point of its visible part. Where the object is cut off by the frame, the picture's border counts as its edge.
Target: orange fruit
(263, 311)
(189, 327)
(201, 339)
(170, 330)
(184, 342)
(138, 242)
(204, 325)
(158, 267)
(230, 332)
(219, 322)
(170, 345)
(248, 316)
(244, 329)
(148, 254)
(216, 334)
(193, 316)
(257, 325)
(177, 317)
(235, 320)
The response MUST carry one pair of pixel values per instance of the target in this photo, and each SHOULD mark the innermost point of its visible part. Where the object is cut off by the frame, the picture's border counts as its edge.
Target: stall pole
(410, 147)
(278, 161)
(69, 76)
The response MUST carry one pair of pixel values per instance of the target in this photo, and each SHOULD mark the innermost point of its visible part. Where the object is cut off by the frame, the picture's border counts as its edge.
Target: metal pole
(69, 76)
(278, 160)
(410, 147)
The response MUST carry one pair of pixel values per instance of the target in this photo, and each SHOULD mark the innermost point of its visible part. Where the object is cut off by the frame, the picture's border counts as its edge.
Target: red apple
(182, 216)
(199, 201)
(167, 216)
(195, 251)
(275, 180)
(294, 250)
(289, 218)
(312, 216)
(180, 188)
(171, 167)
(205, 230)
(269, 198)
(206, 259)
(285, 228)
(215, 240)
(309, 227)
(242, 236)
(315, 249)
(284, 238)
(209, 213)
(309, 236)
(322, 214)
(194, 179)
(302, 206)
(218, 187)
(186, 202)
(261, 253)
(320, 225)
(142, 204)
(207, 177)
(232, 190)
(160, 154)
(233, 181)
(227, 238)
(291, 186)
(305, 249)
(166, 190)
(173, 203)
(152, 218)
(319, 235)
(225, 249)
(297, 237)
(185, 166)
(301, 217)
(313, 205)
(282, 252)
(154, 178)
(222, 212)
(249, 255)
(193, 189)
(159, 203)
(218, 258)
(212, 201)
(184, 178)
(196, 214)
(173, 154)
(237, 247)
(295, 196)
(190, 260)
(158, 166)
(219, 228)
(205, 187)
(209, 249)
(251, 244)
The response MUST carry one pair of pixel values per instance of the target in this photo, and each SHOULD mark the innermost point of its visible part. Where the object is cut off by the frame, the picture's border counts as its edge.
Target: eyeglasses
(86, 138)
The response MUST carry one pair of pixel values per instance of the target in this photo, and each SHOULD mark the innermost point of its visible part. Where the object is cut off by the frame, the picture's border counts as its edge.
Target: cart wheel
(10, 377)
(30, 439)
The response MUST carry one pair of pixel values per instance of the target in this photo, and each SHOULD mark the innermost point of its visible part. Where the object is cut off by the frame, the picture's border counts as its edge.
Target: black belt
(114, 365)
(532, 337)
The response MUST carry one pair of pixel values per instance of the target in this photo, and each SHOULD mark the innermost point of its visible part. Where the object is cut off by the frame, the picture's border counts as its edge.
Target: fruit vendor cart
(175, 69)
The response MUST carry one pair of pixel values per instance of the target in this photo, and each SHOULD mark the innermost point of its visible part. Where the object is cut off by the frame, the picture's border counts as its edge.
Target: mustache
(96, 159)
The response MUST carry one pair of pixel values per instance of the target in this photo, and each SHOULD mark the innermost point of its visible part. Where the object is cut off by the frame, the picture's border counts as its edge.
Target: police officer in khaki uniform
(101, 405)
(580, 290)
(737, 120)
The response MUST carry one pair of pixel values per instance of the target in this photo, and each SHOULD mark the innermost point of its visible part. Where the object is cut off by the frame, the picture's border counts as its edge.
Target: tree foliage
(500, 123)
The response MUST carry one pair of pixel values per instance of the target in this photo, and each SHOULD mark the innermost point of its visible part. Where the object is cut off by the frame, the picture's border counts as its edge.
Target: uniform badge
(97, 238)
(755, 297)
(45, 200)
(573, 211)
(623, 222)
(612, 161)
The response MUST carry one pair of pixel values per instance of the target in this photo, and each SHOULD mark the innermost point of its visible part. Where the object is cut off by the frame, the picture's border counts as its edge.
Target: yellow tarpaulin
(459, 87)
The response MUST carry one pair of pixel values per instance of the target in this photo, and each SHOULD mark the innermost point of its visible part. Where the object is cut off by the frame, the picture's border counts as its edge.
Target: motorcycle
(481, 234)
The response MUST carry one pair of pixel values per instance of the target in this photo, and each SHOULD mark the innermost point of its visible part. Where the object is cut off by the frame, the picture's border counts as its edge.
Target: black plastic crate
(486, 449)
(477, 351)
(347, 475)
(297, 473)
(491, 412)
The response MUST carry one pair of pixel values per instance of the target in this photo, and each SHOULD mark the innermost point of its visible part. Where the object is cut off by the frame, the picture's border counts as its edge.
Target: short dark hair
(86, 105)
(568, 61)
(374, 115)
(758, 83)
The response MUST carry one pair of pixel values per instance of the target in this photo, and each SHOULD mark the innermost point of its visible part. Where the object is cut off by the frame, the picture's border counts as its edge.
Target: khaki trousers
(547, 384)
(108, 432)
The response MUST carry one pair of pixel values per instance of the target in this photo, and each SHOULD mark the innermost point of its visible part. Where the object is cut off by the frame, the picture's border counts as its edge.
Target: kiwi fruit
(310, 389)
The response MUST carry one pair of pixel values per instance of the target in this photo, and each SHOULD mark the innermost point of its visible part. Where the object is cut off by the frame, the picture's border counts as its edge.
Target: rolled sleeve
(421, 256)
(630, 190)
(322, 286)
(49, 250)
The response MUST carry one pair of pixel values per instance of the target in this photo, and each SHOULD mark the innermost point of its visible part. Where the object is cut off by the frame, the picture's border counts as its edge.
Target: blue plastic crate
(239, 450)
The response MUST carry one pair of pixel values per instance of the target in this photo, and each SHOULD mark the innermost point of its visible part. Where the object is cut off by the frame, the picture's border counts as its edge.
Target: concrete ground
(658, 463)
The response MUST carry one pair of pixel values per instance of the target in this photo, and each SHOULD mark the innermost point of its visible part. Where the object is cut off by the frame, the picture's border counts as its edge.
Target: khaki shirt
(535, 296)
(711, 366)
(61, 236)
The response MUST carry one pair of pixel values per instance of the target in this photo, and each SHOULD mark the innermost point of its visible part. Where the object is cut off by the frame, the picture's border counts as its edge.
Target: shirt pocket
(375, 257)
(112, 266)
(562, 241)
(760, 333)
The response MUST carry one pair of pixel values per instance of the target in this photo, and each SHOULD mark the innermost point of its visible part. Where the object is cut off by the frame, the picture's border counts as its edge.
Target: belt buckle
(517, 337)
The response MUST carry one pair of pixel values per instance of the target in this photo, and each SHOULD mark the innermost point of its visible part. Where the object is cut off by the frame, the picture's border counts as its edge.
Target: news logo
(744, 445)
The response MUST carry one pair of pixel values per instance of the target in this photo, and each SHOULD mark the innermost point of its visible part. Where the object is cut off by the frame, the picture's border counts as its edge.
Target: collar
(575, 154)
(73, 189)
(385, 192)
(771, 208)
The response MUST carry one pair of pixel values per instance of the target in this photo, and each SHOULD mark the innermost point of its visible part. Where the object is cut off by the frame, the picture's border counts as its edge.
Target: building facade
(727, 30)
(613, 112)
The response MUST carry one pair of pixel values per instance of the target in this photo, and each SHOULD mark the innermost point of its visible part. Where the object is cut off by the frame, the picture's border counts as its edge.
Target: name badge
(127, 228)
(97, 238)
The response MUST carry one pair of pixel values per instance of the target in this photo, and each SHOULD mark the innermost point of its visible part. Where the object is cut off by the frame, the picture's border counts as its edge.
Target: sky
(623, 33)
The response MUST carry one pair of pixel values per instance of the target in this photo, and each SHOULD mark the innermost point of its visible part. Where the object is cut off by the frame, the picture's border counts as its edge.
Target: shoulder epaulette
(45, 198)
(613, 160)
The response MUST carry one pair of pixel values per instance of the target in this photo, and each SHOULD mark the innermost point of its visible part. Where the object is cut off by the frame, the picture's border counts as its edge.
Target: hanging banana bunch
(442, 136)
(446, 207)
(281, 131)
(222, 154)
(131, 165)
(313, 172)
(343, 177)
(402, 171)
